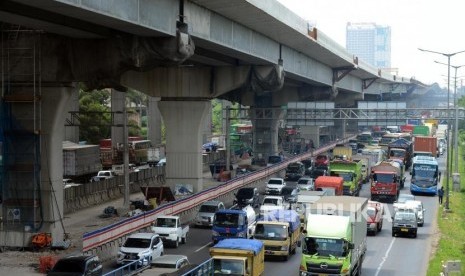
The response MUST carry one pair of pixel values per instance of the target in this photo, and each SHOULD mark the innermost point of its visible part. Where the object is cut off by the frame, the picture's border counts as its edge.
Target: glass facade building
(370, 42)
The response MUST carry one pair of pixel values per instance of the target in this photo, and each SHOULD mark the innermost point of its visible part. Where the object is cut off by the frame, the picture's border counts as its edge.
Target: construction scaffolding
(20, 135)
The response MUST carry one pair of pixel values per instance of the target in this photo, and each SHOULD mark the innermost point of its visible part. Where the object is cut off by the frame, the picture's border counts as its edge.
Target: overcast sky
(428, 24)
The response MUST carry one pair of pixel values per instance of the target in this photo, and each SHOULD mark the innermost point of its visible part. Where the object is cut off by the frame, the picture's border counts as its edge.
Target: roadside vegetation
(451, 225)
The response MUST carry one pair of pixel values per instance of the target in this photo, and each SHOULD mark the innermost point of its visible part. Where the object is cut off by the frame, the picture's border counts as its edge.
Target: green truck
(421, 131)
(335, 240)
(351, 171)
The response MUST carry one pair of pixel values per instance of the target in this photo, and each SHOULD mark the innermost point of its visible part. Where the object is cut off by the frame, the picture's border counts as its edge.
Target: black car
(247, 196)
(289, 194)
(88, 265)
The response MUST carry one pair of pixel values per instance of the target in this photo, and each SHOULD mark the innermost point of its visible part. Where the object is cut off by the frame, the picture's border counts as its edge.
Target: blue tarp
(400, 143)
(290, 216)
(241, 244)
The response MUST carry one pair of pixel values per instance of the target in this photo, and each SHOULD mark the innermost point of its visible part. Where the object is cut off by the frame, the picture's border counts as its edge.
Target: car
(274, 186)
(402, 199)
(210, 147)
(289, 194)
(322, 160)
(85, 265)
(306, 184)
(404, 223)
(417, 206)
(142, 247)
(247, 196)
(207, 211)
(168, 263)
(162, 162)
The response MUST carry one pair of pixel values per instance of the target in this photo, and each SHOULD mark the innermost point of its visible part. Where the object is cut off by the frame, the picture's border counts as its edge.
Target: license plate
(269, 252)
(404, 229)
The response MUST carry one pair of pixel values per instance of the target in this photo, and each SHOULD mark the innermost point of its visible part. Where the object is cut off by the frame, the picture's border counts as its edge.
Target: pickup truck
(170, 230)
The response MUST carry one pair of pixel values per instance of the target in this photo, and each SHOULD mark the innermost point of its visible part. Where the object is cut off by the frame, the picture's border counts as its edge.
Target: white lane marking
(208, 244)
(385, 257)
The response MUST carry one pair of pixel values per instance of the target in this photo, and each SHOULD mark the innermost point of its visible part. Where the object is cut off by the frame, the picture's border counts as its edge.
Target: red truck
(386, 178)
(401, 149)
(426, 144)
(375, 214)
(334, 183)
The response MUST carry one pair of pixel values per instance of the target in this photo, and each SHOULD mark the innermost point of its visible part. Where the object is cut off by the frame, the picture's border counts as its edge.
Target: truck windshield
(423, 170)
(397, 153)
(228, 220)
(166, 222)
(294, 168)
(228, 267)
(270, 232)
(383, 178)
(348, 176)
(270, 201)
(325, 247)
(208, 209)
(137, 243)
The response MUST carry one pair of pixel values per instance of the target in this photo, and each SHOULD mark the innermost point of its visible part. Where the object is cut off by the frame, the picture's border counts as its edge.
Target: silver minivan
(207, 211)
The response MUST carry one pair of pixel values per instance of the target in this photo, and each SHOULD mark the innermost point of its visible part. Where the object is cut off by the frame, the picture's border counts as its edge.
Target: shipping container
(80, 160)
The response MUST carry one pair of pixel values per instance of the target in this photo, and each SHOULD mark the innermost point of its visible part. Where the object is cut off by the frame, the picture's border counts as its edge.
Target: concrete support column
(52, 129)
(118, 100)
(184, 122)
(154, 121)
(265, 139)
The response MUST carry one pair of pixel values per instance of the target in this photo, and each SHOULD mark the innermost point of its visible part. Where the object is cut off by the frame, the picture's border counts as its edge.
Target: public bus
(425, 175)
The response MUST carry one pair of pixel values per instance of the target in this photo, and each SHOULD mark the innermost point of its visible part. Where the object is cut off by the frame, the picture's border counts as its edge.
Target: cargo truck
(421, 131)
(333, 185)
(341, 152)
(351, 172)
(233, 223)
(238, 257)
(304, 200)
(387, 178)
(426, 144)
(279, 231)
(80, 162)
(335, 239)
(401, 149)
(425, 175)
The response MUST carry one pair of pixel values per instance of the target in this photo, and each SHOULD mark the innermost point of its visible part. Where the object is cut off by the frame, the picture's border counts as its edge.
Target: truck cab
(171, 230)
(233, 223)
(271, 203)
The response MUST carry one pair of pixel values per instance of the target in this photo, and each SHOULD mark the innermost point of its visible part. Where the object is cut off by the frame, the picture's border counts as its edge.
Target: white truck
(171, 230)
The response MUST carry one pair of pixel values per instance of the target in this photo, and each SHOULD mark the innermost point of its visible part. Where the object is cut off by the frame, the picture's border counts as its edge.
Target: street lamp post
(448, 55)
(456, 123)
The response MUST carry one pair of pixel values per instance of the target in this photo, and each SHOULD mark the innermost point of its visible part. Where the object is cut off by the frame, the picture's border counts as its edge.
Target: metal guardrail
(203, 269)
(110, 233)
(131, 268)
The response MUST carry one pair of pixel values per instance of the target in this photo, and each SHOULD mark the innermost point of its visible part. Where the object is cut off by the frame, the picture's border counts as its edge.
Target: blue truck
(233, 223)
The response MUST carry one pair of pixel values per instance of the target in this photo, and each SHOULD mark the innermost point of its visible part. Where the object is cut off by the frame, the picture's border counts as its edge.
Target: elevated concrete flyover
(257, 53)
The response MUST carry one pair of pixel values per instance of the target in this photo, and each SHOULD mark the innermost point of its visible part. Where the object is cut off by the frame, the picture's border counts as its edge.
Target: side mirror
(351, 245)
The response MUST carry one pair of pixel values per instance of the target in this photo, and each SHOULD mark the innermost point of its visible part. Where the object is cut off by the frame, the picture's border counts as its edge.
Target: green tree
(94, 123)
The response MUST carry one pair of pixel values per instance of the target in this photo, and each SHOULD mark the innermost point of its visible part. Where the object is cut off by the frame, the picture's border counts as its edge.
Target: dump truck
(426, 144)
(341, 152)
(238, 257)
(368, 158)
(334, 185)
(401, 149)
(279, 230)
(351, 172)
(387, 178)
(335, 240)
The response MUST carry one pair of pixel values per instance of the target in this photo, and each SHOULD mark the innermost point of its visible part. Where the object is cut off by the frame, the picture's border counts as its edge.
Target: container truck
(387, 178)
(333, 185)
(279, 231)
(425, 175)
(335, 240)
(233, 223)
(80, 161)
(421, 131)
(426, 144)
(238, 257)
(351, 172)
(402, 150)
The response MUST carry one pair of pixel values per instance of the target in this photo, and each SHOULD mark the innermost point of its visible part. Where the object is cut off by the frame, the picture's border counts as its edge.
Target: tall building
(370, 43)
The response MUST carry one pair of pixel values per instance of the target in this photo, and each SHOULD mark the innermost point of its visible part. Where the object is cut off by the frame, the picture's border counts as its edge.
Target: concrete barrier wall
(105, 241)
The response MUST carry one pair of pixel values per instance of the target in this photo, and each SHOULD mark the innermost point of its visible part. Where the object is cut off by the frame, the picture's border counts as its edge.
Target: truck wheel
(184, 239)
(380, 226)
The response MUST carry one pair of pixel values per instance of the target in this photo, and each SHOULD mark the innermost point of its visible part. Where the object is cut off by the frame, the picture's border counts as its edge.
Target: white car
(271, 203)
(207, 211)
(401, 200)
(417, 206)
(306, 184)
(167, 264)
(274, 186)
(142, 247)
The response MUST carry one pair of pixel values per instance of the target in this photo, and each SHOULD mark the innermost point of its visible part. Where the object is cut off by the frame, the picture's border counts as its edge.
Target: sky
(428, 24)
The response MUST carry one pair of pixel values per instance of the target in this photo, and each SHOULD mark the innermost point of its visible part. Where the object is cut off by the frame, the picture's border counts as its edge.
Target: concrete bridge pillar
(154, 121)
(184, 121)
(118, 100)
(266, 132)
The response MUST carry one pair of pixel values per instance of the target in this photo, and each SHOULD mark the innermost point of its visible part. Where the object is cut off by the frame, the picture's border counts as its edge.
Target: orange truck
(426, 144)
(333, 183)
